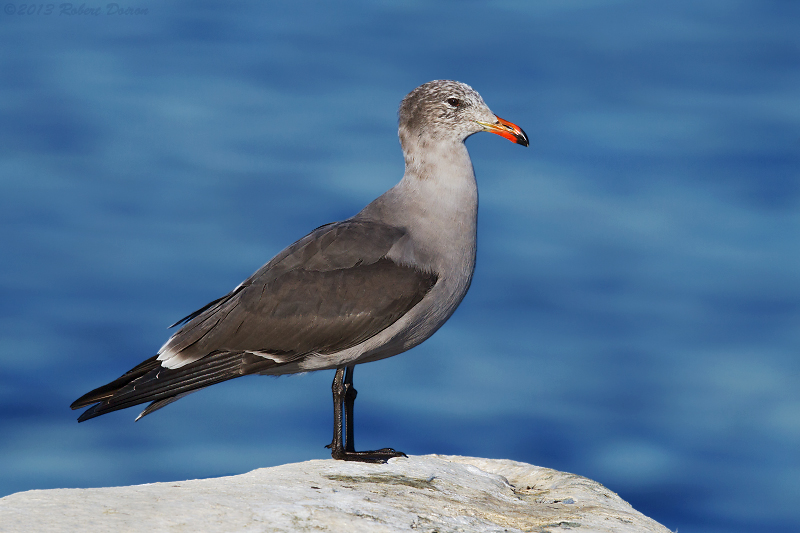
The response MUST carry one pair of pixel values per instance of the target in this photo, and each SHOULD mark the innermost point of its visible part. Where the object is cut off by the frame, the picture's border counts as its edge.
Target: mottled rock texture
(419, 493)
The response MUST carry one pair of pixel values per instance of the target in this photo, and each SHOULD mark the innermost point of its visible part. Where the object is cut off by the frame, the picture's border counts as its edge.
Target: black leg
(343, 448)
(336, 445)
(350, 394)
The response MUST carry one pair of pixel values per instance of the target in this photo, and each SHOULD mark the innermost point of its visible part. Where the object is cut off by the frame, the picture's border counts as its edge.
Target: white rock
(421, 493)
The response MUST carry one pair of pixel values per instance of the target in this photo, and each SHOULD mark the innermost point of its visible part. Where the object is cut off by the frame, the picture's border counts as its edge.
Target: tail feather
(150, 382)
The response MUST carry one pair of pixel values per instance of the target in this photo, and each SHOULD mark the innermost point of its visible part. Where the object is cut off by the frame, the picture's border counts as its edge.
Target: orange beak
(506, 129)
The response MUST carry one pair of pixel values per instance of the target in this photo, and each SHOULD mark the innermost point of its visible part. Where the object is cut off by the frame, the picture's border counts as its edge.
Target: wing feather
(328, 292)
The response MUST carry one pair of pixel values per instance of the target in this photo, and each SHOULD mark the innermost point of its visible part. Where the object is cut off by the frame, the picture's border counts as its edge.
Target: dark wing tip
(106, 391)
(149, 382)
(89, 413)
(84, 401)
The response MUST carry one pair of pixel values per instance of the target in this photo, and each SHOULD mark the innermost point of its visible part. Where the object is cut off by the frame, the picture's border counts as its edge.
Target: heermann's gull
(350, 292)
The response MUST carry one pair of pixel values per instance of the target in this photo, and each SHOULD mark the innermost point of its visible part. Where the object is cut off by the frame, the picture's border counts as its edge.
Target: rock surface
(421, 493)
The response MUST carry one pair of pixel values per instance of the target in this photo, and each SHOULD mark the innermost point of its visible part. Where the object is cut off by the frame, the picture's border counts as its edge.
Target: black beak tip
(522, 138)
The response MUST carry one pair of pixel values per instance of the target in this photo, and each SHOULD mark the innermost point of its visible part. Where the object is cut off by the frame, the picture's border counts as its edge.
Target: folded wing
(328, 292)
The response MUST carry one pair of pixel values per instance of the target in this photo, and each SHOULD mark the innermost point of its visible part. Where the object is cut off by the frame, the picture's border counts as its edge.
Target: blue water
(634, 314)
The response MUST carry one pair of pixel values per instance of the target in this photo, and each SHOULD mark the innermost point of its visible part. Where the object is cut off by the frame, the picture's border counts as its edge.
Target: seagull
(350, 292)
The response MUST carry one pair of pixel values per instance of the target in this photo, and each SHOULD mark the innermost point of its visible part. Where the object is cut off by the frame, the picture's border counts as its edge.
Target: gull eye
(455, 102)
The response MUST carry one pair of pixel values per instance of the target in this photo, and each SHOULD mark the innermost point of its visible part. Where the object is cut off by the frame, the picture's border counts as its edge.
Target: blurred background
(634, 313)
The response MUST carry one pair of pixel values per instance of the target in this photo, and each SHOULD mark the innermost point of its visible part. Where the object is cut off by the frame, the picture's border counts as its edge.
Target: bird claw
(374, 456)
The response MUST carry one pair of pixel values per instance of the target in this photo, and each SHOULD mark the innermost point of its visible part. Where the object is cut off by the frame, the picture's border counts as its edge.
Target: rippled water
(634, 314)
